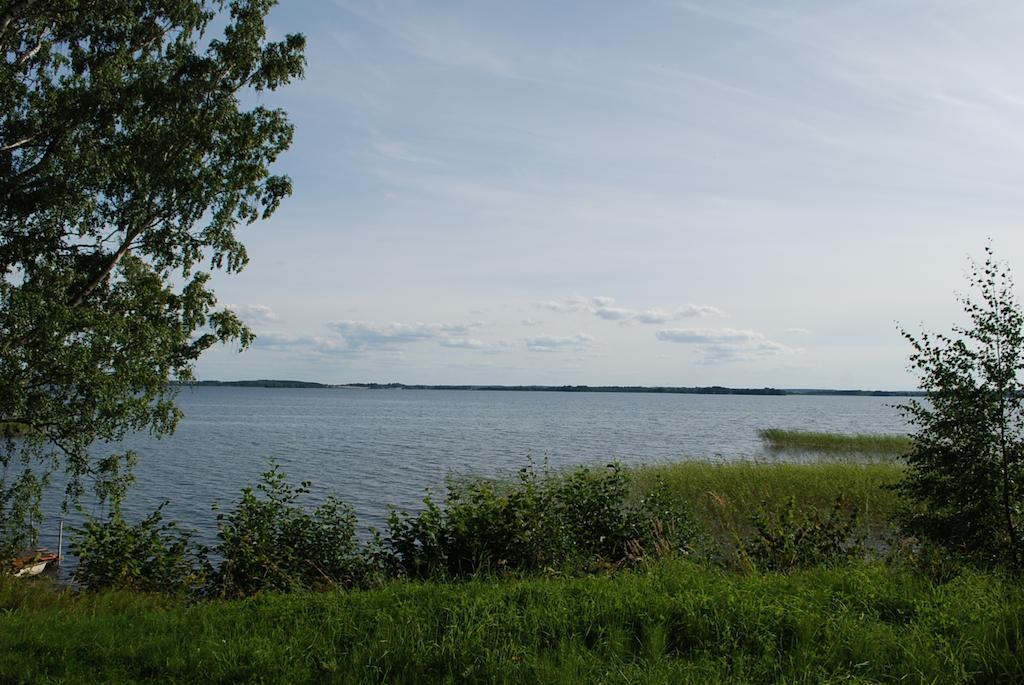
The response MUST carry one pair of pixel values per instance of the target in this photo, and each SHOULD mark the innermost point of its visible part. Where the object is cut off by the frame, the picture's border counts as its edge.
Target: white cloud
(567, 304)
(370, 334)
(315, 344)
(254, 314)
(614, 313)
(530, 323)
(723, 345)
(654, 315)
(464, 343)
(605, 308)
(578, 342)
(709, 336)
(798, 331)
(691, 310)
(476, 344)
(357, 338)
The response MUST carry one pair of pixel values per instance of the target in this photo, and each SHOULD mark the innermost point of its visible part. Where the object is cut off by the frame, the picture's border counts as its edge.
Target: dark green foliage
(269, 542)
(152, 555)
(966, 467)
(800, 537)
(19, 510)
(541, 521)
(127, 161)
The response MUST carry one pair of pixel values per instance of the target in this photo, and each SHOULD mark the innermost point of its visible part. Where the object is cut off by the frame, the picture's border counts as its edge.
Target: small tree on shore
(966, 467)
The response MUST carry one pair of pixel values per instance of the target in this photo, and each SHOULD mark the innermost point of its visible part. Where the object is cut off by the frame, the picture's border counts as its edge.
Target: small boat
(33, 564)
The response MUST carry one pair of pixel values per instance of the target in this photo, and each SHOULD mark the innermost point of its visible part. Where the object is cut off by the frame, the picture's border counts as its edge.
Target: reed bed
(716, 491)
(832, 443)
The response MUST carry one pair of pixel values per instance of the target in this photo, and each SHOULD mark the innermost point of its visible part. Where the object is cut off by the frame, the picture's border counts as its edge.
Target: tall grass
(718, 493)
(862, 443)
(674, 622)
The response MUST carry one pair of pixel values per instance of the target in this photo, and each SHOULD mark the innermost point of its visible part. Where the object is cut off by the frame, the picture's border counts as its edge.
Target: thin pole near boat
(60, 544)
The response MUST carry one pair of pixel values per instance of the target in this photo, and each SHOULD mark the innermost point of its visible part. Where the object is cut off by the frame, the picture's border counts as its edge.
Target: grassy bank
(674, 622)
(835, 443)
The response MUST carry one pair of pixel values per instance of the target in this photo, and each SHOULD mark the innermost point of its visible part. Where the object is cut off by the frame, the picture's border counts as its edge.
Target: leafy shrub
(483, 525)
(538, 521)
(583, 520)
(504, 527)
(799, 537)
(268, 542)
(661, 526)
(152, 555)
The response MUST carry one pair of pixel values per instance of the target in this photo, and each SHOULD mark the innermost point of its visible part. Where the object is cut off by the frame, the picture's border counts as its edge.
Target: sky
(655, 192)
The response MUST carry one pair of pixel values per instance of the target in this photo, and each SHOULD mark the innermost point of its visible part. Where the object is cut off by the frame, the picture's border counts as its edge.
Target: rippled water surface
(378, 447)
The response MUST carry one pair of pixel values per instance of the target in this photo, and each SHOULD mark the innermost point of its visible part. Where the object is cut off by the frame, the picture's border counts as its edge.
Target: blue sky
(679, 193)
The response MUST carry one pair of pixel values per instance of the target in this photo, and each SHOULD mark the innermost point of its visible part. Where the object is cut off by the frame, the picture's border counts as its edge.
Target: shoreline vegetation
(695, 390)
(779, 439)
(790, 572)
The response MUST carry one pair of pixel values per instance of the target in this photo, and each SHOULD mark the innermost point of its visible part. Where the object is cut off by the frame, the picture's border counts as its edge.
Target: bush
(270, 543)
(540, 521)
(152, 555)
(927, 559)
(797, 538)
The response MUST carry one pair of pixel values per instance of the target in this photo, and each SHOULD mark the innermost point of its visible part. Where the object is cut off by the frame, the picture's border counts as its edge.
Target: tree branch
(103, 273)
(32, 51)
(18, 143)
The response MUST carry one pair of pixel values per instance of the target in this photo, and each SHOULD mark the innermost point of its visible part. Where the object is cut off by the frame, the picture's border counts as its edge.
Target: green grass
(831, 443)
(675, 622)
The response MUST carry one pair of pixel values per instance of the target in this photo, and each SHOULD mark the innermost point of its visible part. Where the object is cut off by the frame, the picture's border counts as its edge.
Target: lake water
(373, 448)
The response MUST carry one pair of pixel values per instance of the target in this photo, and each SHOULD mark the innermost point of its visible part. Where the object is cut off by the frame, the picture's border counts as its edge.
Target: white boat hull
(31, 569)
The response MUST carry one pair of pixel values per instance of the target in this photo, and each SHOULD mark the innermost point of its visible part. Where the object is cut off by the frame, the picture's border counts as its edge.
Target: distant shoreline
(674, 390)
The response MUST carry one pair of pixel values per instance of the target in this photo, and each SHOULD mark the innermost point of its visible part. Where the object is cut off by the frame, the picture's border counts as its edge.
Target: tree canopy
(128, 158)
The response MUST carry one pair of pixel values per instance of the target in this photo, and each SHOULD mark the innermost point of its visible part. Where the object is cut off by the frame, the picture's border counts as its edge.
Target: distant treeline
(696, 390)
(262, 383)
(711, 390)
